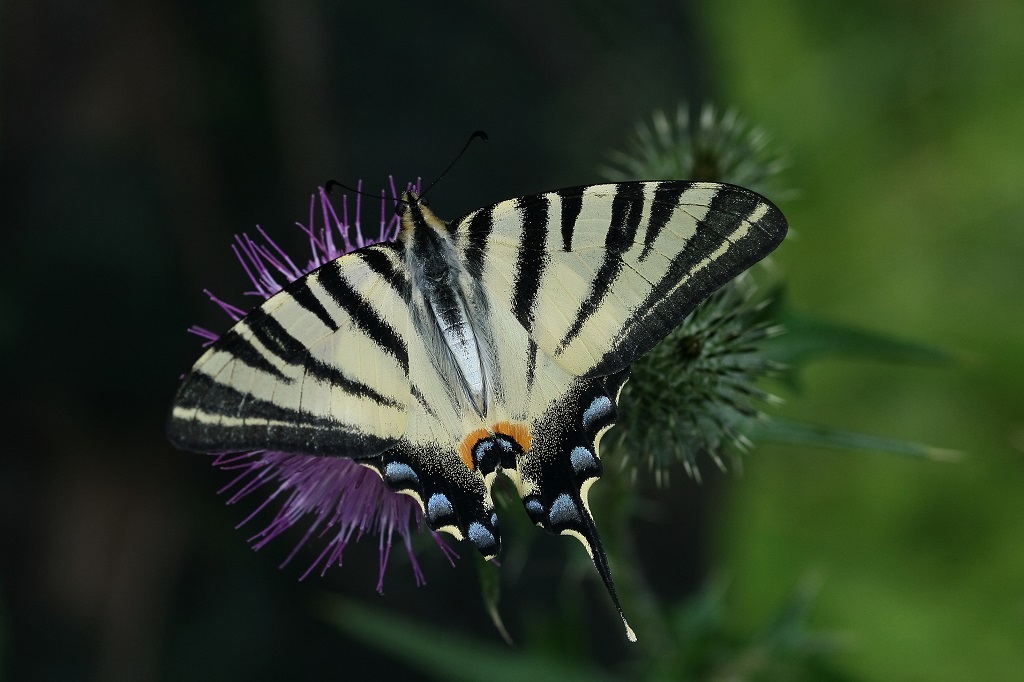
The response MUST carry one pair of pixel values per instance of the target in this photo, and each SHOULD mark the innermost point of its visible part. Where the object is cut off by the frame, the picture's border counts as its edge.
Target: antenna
(476, 134)
(331, 184)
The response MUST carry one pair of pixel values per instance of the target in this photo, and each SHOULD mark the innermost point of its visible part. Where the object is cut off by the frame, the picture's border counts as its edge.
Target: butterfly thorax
(442, 311)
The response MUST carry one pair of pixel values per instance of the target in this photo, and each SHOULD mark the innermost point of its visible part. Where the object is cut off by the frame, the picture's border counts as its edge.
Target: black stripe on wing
(627, 212)
(477, 231)
(305, 297)
(276, 339)
(242, 349)
(292, 430)
(531, 365)
(571, 201)
(531, 261)
(422, 400)
(377, 259)
(364, 315)
(663, 207)
(672, 298)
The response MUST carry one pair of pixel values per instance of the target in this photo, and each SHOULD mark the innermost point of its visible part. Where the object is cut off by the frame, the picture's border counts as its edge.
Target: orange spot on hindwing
(467, 445)
(520, 433)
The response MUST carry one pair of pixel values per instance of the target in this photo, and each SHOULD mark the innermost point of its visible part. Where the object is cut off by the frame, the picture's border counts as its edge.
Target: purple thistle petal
(285, 264)
(233, 312)
(331, 220)
(246, 257)
(359, 212)
(206, 335)
(338, 498)
(316, 243)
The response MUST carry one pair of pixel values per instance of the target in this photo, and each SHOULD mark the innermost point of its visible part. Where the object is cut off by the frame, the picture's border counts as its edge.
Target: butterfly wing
(598, 275)
(333, 365)
(316, 369)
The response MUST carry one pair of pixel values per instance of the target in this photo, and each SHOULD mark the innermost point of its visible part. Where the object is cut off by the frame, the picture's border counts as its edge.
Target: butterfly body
(497, 343)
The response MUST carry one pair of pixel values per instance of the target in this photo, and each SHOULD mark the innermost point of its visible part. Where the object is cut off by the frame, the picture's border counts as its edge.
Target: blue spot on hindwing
(481, 536)
(438, 507)
(535, 509)
(600, 407)
(491, 454)
(583, 460)
(563, 511)
(400, 475)
(481, 451)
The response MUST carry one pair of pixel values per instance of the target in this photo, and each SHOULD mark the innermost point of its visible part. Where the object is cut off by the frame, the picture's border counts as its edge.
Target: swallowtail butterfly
(496, 343)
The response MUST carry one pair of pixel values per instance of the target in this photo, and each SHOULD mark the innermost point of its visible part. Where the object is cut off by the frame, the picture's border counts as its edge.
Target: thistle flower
(696, 393)
(337, 499)
(710, 147)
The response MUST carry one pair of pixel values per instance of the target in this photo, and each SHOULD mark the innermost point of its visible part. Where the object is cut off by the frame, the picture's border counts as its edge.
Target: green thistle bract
(709, 147)
(696, 392)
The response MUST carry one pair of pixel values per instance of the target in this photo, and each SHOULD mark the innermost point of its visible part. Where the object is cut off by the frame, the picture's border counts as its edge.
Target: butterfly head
(415, 213)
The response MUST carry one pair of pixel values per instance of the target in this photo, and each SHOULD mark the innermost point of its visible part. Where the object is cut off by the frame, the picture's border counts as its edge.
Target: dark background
(137, 137)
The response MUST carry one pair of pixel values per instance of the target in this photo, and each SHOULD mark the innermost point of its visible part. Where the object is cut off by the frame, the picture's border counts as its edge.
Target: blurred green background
(137, 137)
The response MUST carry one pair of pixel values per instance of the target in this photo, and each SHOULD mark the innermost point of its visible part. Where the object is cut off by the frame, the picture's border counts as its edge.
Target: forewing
(598, 275)
(321, 368)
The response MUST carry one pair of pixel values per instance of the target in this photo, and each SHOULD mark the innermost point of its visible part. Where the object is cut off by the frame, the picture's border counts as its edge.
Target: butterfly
(495, 343)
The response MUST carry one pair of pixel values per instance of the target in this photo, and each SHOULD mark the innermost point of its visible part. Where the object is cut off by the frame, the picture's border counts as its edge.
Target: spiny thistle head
(709, 147)
(697, 392)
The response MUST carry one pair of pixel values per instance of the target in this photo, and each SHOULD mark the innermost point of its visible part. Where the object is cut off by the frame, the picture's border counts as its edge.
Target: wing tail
(556, 476)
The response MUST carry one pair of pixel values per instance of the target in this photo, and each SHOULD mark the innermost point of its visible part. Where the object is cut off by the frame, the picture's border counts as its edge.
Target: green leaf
(808, 338)
(798, 433)
(707, 647)
(490, 590)
(448, 656)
